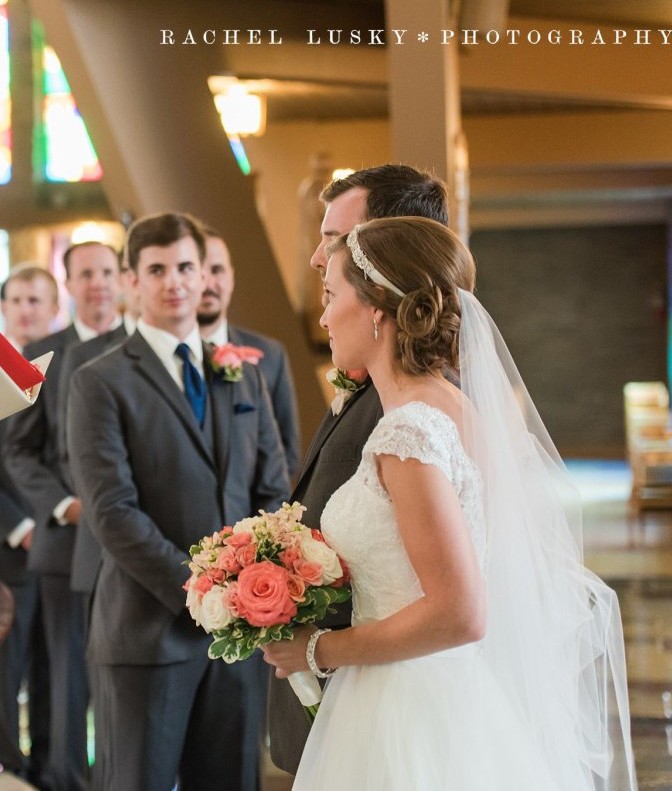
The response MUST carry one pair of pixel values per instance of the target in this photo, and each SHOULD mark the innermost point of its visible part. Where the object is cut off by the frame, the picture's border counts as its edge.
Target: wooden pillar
(425, 112)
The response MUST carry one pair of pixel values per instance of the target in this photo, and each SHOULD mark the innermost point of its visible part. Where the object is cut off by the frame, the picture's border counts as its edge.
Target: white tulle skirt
(427, 724)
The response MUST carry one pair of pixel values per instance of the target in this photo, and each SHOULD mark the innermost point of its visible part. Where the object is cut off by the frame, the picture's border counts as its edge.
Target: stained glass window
(63, 150)
(5, 104)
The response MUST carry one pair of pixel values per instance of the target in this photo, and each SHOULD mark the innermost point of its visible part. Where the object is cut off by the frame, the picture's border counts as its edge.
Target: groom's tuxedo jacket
(153, 483)
(332, 459)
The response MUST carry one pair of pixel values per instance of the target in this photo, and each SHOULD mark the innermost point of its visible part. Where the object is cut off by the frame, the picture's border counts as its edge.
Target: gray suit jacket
(86, 553)
(274, 366)
(152, 488)
(33, 463)
(13, 509)
(332, 459)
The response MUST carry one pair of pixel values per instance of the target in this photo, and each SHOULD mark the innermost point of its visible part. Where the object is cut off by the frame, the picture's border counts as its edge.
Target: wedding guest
(163, 452)
(335, 452)
(32, 451)
(29, 302)
(274, 365)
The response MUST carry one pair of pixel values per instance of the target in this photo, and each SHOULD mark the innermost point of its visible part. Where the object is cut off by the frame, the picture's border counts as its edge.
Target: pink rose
(231, 598)
(289, 556)
(239, 539)
(249, 354)
(203, 584)
(216, 575)
(296, 587)
(357, 375)
(310, 572)
(228, 560)
(246, 555)
(263, 595)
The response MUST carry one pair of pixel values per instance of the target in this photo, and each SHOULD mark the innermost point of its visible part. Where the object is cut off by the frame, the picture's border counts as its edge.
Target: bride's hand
(289, 656)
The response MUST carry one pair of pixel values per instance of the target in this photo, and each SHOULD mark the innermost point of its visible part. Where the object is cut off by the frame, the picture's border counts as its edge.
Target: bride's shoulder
(414, 429)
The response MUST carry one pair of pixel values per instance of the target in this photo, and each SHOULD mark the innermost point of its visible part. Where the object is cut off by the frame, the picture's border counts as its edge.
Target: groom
(335, 452)
(164, 452)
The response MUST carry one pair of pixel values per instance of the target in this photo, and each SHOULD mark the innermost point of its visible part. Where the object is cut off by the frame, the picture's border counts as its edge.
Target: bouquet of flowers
(253, 582)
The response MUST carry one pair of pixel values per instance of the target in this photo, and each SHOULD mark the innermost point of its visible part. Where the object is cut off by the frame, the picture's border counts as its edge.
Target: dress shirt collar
(220, 336)
(86, 333)
(163, 344)
(130, 323)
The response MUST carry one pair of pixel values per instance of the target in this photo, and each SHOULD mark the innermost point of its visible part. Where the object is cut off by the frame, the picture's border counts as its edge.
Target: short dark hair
(162, 230)
(395, 191)
(67, 255)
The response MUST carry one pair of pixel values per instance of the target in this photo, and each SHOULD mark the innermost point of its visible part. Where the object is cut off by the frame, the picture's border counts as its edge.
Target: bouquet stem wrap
(308, 691)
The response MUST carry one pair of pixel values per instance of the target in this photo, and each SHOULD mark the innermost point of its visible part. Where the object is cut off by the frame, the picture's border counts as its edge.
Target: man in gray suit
(29, 300)
(274, 365)
(86, 553)
(336, 450)
(92, 274)
(164, 452)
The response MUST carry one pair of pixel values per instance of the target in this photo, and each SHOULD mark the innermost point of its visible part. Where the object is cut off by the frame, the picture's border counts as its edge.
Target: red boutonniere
(227, 360)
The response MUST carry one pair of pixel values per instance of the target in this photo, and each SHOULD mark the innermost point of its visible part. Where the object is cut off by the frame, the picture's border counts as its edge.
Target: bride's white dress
(436, 722)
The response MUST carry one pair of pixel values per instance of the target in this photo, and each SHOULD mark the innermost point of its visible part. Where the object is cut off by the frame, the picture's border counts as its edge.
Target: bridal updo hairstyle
(429, 263)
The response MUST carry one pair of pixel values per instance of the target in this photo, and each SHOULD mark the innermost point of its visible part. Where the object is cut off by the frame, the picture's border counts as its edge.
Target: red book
(22, 372)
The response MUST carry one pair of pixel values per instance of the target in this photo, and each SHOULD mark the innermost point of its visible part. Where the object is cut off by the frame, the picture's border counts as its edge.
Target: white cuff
(59, 512)
(17, 535)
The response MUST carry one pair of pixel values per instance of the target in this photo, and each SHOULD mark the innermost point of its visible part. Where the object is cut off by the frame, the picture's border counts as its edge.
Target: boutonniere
(227, 361)
(346, 384)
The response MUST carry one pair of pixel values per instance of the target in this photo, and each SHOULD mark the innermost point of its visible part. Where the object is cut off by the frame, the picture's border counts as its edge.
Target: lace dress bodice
(358, 520)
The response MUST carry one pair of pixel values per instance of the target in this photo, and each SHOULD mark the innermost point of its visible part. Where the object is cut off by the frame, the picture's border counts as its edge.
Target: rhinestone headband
(361, 261)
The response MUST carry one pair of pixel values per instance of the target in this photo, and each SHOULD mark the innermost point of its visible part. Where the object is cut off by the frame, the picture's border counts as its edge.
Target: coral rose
(246, 555)
(316, 551)
(296, 587)
(203, 584)
(263, 595)
(311, 573)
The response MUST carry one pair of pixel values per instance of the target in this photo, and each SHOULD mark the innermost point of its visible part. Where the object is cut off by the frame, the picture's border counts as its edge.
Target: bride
(482, 655)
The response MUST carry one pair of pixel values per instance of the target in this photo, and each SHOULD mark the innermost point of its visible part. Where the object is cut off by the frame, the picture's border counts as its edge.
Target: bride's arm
(438, 543)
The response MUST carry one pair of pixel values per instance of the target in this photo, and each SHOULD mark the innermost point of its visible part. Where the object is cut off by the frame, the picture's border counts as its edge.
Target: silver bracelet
(310, 654)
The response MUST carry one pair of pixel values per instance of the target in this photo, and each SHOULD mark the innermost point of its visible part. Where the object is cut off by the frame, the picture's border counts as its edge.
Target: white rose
(214, 612)
(246, 525)
(318, 552)
(194, 604)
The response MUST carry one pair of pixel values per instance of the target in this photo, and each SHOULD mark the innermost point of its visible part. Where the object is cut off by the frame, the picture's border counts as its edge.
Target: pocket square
(241, 409)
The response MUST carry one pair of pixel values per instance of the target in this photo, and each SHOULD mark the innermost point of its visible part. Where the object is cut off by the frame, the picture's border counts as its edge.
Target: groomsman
(86, 553)
(274, 365)
(92, 273)
(29, 300)
(336, 449)
(163, 452)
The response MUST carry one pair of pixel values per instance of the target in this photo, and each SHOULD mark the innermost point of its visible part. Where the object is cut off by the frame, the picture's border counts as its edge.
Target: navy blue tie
(194, 386)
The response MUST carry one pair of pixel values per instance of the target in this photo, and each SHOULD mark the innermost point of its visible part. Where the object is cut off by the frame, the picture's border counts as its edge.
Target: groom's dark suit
(153, 483)
(332, 459)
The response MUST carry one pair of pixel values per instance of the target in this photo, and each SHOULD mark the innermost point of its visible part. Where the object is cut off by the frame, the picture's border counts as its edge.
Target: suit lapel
(154, 372)
(221, 400)
(328, 424)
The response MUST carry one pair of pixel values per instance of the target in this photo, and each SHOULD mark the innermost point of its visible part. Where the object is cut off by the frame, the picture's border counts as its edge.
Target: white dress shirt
(163, 344)
(220, 336)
